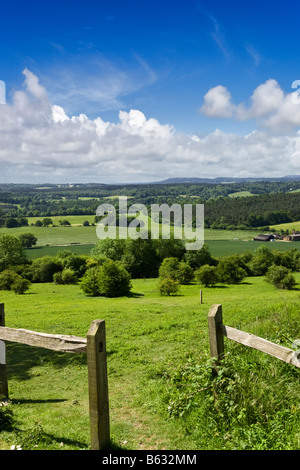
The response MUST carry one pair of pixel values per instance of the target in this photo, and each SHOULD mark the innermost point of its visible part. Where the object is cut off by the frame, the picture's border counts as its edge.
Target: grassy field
(149, 338)
(288, 226)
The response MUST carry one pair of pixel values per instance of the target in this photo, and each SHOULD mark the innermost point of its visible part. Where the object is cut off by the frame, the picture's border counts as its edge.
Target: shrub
(280, 277)
(43, 269)
(110, 279)
(261, 260)
(168, 286)
(207, 275)
(20, 285)
(7, 278)
(176, 270)
(229, 271)
(67, 276)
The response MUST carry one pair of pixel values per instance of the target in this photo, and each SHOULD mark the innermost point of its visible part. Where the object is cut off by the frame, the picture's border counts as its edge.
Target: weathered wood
(63, 343)
(216, 339)
(3, 368)
(98, 386)
(280, 352)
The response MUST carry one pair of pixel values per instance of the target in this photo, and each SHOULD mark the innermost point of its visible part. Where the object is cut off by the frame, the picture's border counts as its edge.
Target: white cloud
(217, 103)
(39, 142)
(270, 107)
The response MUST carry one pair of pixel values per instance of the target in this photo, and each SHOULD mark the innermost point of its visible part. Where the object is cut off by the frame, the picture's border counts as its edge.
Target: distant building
(267, 237)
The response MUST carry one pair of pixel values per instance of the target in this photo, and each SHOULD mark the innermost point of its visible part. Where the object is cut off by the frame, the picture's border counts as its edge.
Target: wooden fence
(217, 331)
(95, 347)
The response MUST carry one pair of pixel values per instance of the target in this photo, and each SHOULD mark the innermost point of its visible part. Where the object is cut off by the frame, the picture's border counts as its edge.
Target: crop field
(150, 338)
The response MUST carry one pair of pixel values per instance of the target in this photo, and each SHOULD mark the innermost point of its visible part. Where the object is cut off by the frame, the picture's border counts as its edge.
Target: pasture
(151, 340)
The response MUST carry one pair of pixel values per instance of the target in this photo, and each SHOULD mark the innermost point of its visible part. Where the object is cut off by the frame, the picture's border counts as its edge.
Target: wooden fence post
(3, 369)
(216, 339)
(98, 386)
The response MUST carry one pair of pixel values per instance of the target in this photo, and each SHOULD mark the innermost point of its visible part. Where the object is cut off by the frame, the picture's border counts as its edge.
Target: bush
(207, 275)
(229, 271)
(7, 278)
(177, 270)
(110, 279)
(67, 276)
(280, 277)
(20, 285)
(10, 280)
(43, 269)
(168, 286)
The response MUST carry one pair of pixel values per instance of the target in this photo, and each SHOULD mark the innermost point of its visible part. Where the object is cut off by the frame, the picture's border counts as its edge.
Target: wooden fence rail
(217, 331)
(95, 347)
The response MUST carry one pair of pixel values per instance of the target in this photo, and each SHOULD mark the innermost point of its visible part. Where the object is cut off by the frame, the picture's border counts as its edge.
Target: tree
(140, 258)
(47, 221)
(261, 260)
(280, 277)
(43, 269)
(200, 257)
(64, 223)
(109, 280)
(167, 248)
(111, 248)
(11, 252)
(207, 275)
(28, 240)
(229, 271)
(177, 270)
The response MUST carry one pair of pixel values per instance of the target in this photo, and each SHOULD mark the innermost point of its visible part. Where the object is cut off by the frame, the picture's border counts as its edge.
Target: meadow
(81, 239)
(158, 351)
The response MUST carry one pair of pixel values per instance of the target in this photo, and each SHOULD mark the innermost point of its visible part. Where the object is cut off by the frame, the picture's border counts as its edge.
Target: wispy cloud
(96, 83)
(218, 37)
(253, 53)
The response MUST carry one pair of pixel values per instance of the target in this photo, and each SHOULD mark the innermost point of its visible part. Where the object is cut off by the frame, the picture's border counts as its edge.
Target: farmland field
(148, 338)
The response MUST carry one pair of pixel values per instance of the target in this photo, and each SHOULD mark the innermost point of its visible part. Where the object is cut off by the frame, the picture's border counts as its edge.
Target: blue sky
(213, 72)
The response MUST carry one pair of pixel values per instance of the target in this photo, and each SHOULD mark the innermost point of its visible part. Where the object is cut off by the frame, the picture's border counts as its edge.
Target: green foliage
(261, 260)
(67, 276)
(109, 280)
(20, 285)
(11, 251)
(249, 404)
(176, 270)
(207, 275)
(7, 278)
(168, 286)
(280, 277)
(229, 271)
(28, 240)
(110, 248)
(140, 258)
(200, 257)
(43, 269)
(10, 280)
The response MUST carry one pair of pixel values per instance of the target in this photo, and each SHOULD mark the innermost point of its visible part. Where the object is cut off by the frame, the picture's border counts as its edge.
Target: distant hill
(226, 180)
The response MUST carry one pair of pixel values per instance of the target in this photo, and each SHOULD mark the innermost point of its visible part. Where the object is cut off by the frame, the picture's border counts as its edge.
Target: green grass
(241, 194)
(288, 226)
(149, 338)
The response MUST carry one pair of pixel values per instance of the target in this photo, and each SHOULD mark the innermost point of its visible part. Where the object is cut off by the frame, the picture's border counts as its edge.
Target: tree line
(113, 263)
